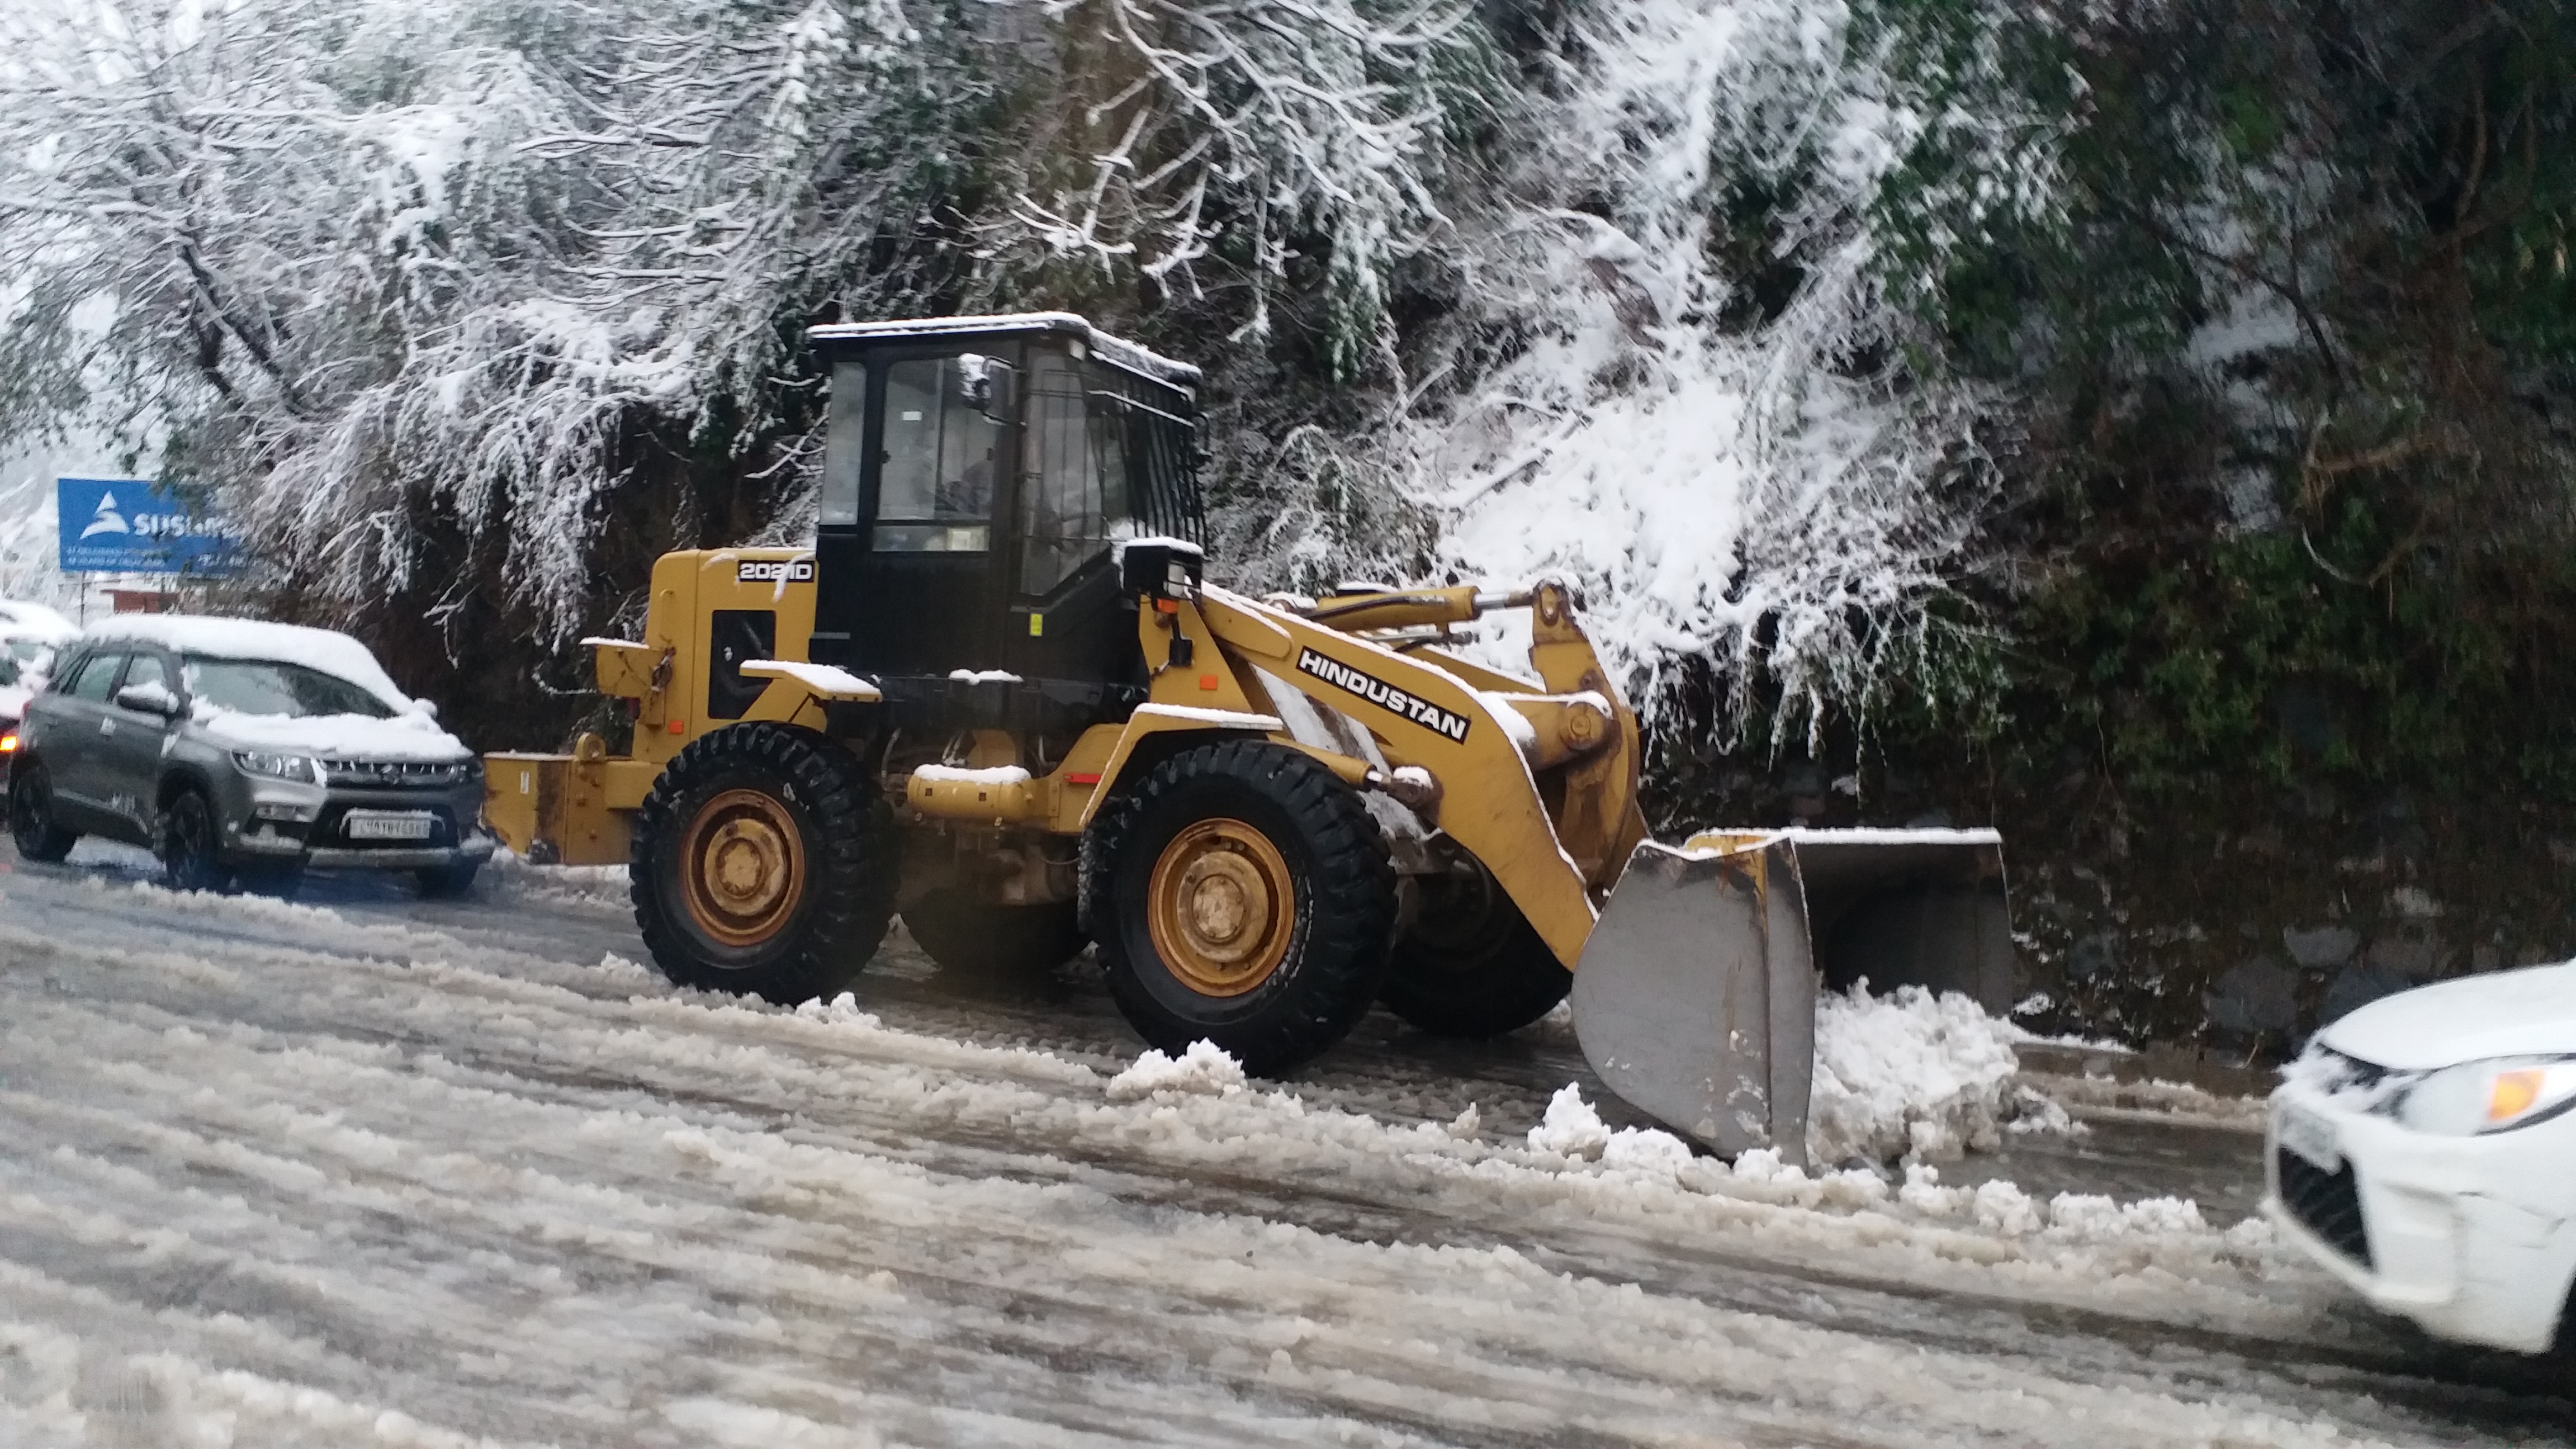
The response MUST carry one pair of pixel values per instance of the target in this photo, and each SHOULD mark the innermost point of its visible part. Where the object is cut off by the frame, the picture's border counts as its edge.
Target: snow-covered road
(379, 1171)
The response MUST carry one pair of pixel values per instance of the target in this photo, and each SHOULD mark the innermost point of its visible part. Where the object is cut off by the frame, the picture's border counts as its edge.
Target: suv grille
(2329, 1203)
(396, 774)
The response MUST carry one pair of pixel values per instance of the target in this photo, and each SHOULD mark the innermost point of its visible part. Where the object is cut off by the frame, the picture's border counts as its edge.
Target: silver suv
(243, 752)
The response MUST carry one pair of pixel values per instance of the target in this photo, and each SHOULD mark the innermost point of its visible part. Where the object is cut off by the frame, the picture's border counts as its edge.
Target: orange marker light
(9, 743)
(1207, 681)
(2513, 1093)
(679, 727)
(1167, 606)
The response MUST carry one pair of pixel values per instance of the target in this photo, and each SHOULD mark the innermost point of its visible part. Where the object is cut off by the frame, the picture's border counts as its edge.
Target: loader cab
(978, 475)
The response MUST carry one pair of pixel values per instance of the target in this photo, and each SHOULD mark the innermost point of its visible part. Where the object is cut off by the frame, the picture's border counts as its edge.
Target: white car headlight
(301, 768)
(2490, 1096)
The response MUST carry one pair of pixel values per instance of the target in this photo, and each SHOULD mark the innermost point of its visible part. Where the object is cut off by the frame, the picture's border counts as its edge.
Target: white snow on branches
(354, 257)
(1745, 478)
(1271, 120)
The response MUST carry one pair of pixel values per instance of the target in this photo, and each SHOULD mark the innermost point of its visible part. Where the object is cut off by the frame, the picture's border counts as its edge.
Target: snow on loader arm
(1695, 999)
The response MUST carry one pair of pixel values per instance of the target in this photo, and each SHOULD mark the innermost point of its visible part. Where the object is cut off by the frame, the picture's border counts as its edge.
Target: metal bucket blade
(1695, 999)
(1908, 908)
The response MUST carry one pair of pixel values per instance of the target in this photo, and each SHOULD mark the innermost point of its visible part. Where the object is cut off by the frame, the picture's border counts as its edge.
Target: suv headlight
(2498, 1095)
(303, 769)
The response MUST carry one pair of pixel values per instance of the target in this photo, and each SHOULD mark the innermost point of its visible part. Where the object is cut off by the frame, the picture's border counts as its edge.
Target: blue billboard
(135, 526)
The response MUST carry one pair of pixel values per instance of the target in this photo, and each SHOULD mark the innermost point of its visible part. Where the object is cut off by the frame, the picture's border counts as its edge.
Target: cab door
(919, 582)
(1070, 620)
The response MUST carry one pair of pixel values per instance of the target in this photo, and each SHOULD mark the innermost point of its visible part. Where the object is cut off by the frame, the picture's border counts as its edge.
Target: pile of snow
(2004, 1208)
(1571, 1128)
(841, 1010)
(1908, 1075)
(1204, 1070)
(599, 885)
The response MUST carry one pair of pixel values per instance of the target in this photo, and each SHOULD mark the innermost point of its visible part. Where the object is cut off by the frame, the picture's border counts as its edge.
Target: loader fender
(1152, 720)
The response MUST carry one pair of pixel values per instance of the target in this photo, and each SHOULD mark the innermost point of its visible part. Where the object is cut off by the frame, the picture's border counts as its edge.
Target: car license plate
(2310, 1136)
(388, 824)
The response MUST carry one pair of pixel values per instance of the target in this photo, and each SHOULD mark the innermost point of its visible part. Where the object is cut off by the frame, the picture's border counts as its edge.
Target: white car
(2424, 1150)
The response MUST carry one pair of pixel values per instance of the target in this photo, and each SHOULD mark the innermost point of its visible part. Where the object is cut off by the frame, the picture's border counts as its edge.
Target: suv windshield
(268, 686)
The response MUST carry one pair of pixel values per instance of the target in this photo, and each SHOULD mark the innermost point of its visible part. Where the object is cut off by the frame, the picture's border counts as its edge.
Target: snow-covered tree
(374, 270)
(1683, 381)
(353, 260)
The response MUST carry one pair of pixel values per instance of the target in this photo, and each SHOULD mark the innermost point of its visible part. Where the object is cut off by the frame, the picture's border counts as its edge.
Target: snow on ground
(510, 877)
(286, 1175)
(2098, 1097)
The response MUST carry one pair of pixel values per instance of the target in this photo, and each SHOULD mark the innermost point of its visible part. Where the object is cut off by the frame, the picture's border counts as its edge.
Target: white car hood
(2531, 1012)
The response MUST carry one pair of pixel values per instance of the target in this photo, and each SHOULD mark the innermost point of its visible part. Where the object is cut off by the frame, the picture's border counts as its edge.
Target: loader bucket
(1695, 999)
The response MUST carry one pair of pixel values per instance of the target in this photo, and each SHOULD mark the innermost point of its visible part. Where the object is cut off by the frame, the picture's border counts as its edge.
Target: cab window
(1076, 471)
(941, 461)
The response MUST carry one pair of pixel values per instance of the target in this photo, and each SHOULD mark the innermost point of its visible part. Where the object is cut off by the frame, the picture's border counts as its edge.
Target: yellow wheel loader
(999, 698)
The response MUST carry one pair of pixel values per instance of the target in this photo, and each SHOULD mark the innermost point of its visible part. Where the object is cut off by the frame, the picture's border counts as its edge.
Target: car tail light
(9, 743)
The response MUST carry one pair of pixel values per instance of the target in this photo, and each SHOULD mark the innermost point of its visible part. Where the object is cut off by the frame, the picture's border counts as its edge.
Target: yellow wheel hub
(742, 867)
(1221, 907)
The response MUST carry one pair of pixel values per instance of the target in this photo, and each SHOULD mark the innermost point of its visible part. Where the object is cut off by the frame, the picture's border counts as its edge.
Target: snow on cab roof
(330, 652)
(1109, 349)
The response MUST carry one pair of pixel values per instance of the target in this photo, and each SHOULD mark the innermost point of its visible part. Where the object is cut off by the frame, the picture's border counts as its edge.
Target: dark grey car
(113, 748)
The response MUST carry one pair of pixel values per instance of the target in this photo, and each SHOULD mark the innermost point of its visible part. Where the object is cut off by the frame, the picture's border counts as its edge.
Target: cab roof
(1113, 350)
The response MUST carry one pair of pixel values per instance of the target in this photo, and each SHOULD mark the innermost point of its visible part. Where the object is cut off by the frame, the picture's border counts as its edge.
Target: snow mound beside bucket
(1908, 1075)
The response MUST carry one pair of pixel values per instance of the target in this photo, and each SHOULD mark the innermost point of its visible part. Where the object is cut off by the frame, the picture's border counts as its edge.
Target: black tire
(975, 938)
(831, 908)
(1472, 965)
(447, 882)
(1331, 948)
(31, 814)
(188, 849)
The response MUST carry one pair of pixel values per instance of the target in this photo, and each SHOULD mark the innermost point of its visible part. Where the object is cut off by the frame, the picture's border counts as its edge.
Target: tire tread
(1342, 959)
(851, 869)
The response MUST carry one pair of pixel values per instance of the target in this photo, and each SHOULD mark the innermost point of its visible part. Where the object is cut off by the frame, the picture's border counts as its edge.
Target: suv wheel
(188, 860)
(31, 814)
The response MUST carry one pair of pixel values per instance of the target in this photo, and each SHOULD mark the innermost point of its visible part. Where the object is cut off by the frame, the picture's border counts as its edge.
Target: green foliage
(2291, 354)
(2241, 662)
